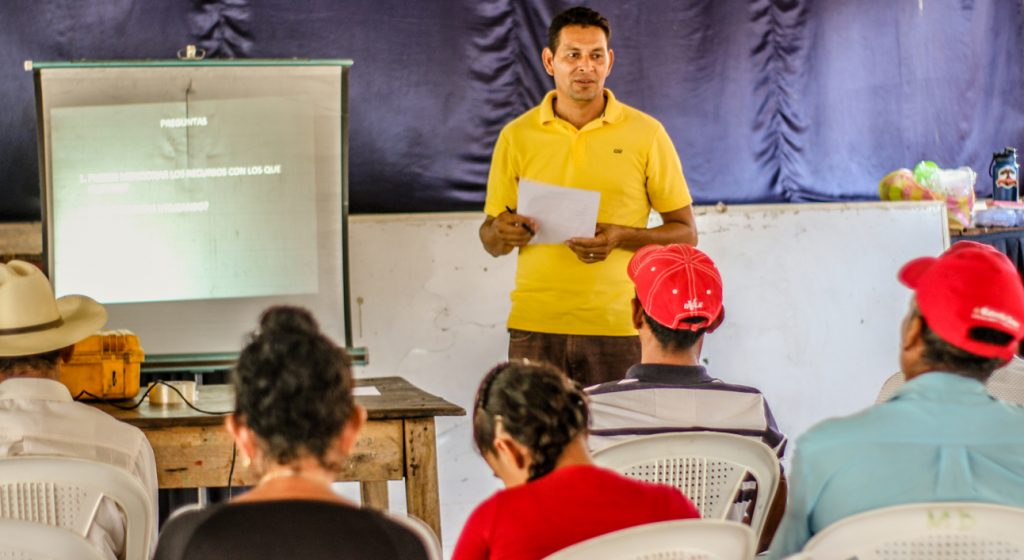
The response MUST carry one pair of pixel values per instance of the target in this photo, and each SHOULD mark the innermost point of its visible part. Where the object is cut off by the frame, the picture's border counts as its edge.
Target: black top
(306, 529)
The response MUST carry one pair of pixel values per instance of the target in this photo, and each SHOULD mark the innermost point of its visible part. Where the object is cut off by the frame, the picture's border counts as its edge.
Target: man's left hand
(596, 249)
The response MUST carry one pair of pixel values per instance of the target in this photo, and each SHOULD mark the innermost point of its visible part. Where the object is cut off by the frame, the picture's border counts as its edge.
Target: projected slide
(185, 200)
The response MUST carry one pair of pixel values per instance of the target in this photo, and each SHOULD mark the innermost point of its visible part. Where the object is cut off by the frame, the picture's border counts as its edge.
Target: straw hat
(33, 322)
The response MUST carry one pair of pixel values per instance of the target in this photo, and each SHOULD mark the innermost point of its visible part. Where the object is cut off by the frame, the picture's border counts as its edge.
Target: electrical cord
(231, 471)
(144, 395)
(234, 448)
(85, 393)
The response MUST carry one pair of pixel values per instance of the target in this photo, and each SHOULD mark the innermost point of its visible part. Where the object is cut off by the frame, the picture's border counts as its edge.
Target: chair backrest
(687, 539)
(27, 540)
(709, 467)
(418, 526)
(66, 492)
(962, 530)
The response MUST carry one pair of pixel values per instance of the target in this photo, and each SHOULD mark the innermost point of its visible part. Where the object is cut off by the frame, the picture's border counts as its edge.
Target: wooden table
(193, 450)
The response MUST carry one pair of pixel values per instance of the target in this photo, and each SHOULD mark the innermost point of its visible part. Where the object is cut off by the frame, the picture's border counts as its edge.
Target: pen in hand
(523, 224)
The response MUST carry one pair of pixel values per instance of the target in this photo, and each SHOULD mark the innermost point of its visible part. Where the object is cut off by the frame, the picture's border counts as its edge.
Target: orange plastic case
(106, 365)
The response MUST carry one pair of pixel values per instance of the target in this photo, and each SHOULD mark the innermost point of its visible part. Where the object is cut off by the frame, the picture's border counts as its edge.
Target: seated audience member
(941, 437)
(296, 421)
(37, 413)
(530, 424)
(1005, 383)
(679, 298)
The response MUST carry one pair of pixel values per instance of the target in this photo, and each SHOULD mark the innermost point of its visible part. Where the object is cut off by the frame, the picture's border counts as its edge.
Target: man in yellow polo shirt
(571, 303)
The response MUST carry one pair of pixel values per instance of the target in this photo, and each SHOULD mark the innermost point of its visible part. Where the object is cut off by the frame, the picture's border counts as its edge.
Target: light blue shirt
(941, 437)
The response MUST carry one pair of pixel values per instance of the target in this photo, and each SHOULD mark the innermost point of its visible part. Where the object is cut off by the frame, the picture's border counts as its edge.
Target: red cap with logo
(678, 286)
(970, 286)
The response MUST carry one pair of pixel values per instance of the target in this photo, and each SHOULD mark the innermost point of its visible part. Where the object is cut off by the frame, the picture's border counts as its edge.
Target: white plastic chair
(66, 492)
(709, 467)
(425, 533)
(961, 530)
(687, 539)
(27, 540)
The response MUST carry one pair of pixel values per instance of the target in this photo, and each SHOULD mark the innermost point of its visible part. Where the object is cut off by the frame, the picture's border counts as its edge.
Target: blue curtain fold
(779, 59)
(765, 100)
(222, 27)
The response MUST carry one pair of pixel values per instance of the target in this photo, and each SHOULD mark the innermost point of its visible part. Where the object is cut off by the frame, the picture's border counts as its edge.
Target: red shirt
(569, 505)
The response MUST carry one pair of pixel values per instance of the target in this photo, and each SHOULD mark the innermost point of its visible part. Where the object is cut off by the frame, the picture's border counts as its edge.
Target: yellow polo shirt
(627, 156)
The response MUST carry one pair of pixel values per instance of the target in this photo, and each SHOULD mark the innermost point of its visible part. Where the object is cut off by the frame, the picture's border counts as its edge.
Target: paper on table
(366, 391)
(560, 212)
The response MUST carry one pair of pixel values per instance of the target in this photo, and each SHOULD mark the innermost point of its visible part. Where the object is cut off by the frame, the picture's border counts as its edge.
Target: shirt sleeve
(774, 438)
(474, 542)
(503, 179)
(794, 530)
(666, 185)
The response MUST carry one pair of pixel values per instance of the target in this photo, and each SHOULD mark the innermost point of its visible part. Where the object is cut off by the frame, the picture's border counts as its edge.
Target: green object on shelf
(926, 173)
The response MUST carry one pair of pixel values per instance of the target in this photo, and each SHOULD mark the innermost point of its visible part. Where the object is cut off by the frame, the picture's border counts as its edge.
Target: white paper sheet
(366, 391)
(560, 212)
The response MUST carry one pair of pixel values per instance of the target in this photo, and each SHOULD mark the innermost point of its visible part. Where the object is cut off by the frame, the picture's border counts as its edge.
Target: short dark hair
(14, 366)
(942, 355)
(674, 339)
(539, 406)
(293, 386)
(580, 15)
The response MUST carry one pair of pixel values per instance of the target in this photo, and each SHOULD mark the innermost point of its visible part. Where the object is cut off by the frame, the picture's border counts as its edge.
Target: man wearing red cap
(678, 300)
(941, 437)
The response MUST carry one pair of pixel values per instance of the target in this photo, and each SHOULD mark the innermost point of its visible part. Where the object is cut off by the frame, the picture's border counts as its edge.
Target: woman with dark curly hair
(296, 420)
(530, 425)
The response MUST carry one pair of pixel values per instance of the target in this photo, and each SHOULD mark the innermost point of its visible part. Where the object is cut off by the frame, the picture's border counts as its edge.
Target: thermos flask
(1005, 172)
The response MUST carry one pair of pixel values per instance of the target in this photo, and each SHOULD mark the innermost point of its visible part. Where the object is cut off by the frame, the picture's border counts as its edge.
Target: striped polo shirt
(659, 398)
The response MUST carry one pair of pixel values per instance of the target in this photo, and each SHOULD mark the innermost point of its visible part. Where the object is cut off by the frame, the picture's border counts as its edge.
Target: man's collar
(942, 386)
(664, 374)
(34, 388)
(613, 112)
(612, 108)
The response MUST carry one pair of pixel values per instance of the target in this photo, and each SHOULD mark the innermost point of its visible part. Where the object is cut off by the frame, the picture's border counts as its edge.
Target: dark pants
(589, 360)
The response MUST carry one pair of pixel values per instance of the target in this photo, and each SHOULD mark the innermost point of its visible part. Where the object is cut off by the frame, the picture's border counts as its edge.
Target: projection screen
(188, 197)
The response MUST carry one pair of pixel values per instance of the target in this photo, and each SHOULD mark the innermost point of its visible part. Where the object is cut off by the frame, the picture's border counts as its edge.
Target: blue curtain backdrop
(766, 100)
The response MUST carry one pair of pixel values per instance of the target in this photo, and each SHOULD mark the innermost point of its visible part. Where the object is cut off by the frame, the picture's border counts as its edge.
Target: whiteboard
(813, 306)
(813, 310)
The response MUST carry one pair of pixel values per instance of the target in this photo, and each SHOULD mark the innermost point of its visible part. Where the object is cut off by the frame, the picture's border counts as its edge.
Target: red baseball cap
(969, 286)
(676, 283)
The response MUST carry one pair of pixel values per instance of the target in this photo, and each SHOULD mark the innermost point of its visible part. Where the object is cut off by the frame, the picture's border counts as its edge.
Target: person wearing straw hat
(38, 416)
(940, 437)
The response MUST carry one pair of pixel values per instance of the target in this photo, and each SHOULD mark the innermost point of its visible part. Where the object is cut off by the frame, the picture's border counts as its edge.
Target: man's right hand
(505, 232)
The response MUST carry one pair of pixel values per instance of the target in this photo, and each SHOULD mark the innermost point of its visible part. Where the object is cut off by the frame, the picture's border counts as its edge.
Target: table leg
(421, 495)
(374, 494)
